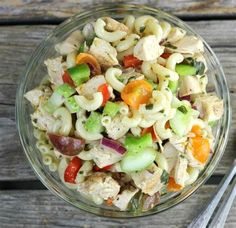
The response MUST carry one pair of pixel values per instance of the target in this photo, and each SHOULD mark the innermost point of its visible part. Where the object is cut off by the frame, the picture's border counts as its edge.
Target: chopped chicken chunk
(113, 25)
(171, 154)
(210, 107)
(189, 85)
(175, 34)
(33, 96)
(148, 49)
(104, 157)
(99, 185)
(188, 44)
(43, 121)
(180, 171)
(116, 129)
(71, 44)
(148, 182)
(122, 200)
(55, 70)
(104, 53)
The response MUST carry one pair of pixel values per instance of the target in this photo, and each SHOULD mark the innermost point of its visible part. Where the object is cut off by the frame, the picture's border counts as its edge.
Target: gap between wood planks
(56, 21)
(37, 185)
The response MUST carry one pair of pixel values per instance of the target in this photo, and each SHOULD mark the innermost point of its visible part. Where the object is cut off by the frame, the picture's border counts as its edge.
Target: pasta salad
(123, 115)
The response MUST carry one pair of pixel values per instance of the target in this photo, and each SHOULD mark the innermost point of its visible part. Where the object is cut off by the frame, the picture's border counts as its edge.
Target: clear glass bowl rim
(221, 143)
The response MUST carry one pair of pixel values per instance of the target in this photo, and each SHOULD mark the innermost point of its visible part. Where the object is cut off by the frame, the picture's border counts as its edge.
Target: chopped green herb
(90, 39)
(164, 177)
(169, 45)
(149, 106)
(81, 172)
(200, 67)
(182, 109)
(182, 156)
(142, 29)
(81, 48)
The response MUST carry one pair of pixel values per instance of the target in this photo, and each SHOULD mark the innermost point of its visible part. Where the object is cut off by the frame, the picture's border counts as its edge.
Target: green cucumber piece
(136, 161)
(72, 105)
(138, 143)
(111, 109)
(65, 90)
(93, 123)
(173, 86)
(181, 122)
(79, 73)
(185, 69)
(54, 102)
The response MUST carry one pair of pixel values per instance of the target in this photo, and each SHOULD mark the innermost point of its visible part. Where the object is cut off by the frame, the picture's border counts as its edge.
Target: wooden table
(24, 201)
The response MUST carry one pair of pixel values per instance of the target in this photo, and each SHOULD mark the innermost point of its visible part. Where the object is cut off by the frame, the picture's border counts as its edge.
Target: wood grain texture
(52, 10)
(39, 208)
(16, 45)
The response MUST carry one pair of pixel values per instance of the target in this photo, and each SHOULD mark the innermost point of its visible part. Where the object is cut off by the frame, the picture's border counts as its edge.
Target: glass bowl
(35, 70)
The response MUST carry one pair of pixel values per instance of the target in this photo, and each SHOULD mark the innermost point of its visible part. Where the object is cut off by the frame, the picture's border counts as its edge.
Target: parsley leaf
(182, 109)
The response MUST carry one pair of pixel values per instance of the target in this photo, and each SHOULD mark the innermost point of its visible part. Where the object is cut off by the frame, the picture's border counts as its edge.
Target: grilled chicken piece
(99, 185)
(104, 53)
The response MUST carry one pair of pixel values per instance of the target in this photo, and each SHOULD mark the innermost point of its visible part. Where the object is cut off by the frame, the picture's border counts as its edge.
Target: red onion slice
(112, 144)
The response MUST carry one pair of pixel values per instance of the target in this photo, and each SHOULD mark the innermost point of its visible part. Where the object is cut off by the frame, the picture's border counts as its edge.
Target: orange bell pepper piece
(172, 186)
(136, 93)
(90, 60)
(200, 148)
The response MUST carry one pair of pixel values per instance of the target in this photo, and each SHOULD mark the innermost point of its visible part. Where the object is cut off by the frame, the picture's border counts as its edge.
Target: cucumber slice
(54, 102)
(185, 69)
(93, 123)
(72, 105)
(111, 109)
(65, 90)
(181, 122)
(135, 144)
(136, 161)
(173, 86)
(79, 73)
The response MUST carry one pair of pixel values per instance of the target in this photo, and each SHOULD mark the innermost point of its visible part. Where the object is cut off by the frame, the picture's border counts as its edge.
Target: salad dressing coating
(123, 115)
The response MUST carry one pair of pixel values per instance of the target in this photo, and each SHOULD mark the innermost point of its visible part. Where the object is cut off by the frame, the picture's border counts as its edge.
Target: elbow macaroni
(141, 22)
(111, 77)
(63, 124)
(173, 60)
(166, 27)
(90, 105)
(100, 31)
(129, 42)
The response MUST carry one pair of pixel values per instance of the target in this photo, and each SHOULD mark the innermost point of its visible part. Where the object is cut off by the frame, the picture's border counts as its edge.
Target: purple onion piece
(187, 98)
(112, 144)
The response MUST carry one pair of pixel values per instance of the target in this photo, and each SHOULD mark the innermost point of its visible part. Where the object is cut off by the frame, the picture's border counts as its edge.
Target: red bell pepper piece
(72, 170)
(166, 55)
(67, 79)
(150, 130)
(105, 93)
(131, 61)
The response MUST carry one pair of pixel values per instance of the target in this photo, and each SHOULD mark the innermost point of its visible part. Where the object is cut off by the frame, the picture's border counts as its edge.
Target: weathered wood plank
(20, 10)
(42, 209)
